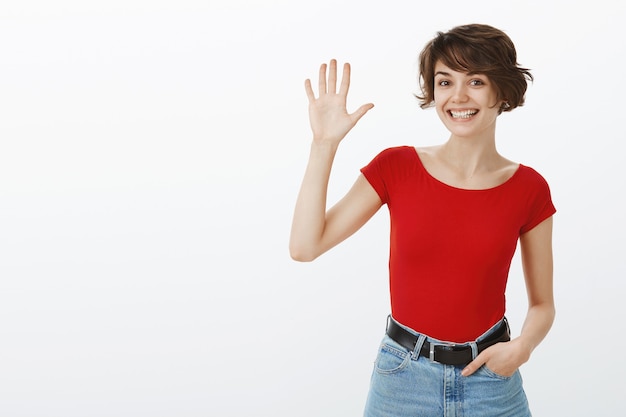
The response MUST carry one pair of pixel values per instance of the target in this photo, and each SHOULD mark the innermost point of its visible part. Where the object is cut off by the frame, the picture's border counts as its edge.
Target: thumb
(360, 112)
(474, 365)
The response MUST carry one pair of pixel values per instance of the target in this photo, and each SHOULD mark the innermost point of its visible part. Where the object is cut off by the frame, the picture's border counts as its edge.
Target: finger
(322, 80)
(332, 77)
(360, 112)
(474, 365)
(345, 80)
(309, 90)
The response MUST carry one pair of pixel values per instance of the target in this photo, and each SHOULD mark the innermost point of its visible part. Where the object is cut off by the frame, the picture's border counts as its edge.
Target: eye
(476, 82)
(443, 83)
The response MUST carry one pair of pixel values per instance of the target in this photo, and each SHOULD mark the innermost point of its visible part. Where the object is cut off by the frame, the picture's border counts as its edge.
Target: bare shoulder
(428, 155)
(508, 167)
(428, 151)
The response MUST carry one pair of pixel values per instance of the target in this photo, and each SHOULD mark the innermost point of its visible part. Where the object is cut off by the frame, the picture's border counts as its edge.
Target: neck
(468, 156)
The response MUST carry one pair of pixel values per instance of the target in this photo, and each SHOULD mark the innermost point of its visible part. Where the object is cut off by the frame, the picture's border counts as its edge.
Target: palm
(328, 114)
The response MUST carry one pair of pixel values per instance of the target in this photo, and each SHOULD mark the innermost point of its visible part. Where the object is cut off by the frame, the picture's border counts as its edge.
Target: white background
(151, 153)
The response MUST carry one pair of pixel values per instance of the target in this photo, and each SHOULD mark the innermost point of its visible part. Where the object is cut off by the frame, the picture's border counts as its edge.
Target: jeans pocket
(493, 374)
(391, 360)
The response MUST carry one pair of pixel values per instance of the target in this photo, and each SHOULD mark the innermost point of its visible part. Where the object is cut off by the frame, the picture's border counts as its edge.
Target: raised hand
(330, 120)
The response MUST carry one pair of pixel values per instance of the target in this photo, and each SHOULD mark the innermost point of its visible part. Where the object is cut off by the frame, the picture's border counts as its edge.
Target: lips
(462, 114)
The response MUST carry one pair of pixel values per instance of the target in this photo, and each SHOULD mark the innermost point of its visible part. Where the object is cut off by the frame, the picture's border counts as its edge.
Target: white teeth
(465, 114)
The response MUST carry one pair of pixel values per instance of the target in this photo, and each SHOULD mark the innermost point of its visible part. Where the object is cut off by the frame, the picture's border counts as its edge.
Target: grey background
(151, 152)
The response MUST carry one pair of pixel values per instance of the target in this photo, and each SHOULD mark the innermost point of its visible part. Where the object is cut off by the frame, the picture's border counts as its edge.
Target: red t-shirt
(451, 248)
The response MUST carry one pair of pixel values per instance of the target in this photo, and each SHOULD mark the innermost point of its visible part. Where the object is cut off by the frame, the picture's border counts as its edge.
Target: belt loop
(418, 346)
(474, 347)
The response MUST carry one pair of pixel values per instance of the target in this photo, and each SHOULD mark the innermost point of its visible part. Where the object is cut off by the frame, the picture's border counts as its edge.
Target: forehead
(442, 69)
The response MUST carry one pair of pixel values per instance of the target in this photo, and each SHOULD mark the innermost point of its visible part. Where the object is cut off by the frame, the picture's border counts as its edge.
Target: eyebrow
(447, 74)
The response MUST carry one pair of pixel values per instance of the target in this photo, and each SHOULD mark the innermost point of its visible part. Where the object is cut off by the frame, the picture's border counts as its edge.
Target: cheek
(493, 98)
(439, 101)
(441, 113)
(437, 97)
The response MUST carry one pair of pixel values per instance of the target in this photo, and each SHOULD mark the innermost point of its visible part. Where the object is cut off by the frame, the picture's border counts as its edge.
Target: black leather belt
(446, 353)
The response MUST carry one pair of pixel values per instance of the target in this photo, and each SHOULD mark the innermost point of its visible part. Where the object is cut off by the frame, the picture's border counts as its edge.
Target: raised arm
(314, 230)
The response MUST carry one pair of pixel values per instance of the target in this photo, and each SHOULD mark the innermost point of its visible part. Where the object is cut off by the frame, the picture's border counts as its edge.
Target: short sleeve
(374, 173)
(540, 205)
(388, 169)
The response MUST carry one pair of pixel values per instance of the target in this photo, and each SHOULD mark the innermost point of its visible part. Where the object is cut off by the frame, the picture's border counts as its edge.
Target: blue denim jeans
(406, 384)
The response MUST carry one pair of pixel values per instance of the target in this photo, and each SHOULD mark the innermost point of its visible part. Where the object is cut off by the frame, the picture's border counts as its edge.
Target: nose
(459, 95)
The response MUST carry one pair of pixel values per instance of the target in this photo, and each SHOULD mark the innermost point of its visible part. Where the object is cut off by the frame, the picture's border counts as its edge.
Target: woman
(457, 212)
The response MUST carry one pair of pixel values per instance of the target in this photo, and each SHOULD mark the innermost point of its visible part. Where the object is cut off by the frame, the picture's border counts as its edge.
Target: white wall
(151, 152)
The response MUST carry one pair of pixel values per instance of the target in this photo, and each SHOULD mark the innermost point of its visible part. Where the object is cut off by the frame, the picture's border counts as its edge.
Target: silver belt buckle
(431, 352)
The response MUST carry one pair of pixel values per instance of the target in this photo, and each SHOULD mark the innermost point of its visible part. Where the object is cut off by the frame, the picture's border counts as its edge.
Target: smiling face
(466, 103)
(479, 49)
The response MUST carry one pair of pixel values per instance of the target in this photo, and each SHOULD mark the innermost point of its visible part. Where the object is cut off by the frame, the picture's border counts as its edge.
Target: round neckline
(495, 187)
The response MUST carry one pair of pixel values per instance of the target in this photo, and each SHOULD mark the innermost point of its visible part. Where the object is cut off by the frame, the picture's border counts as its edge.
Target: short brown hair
(480, 49)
